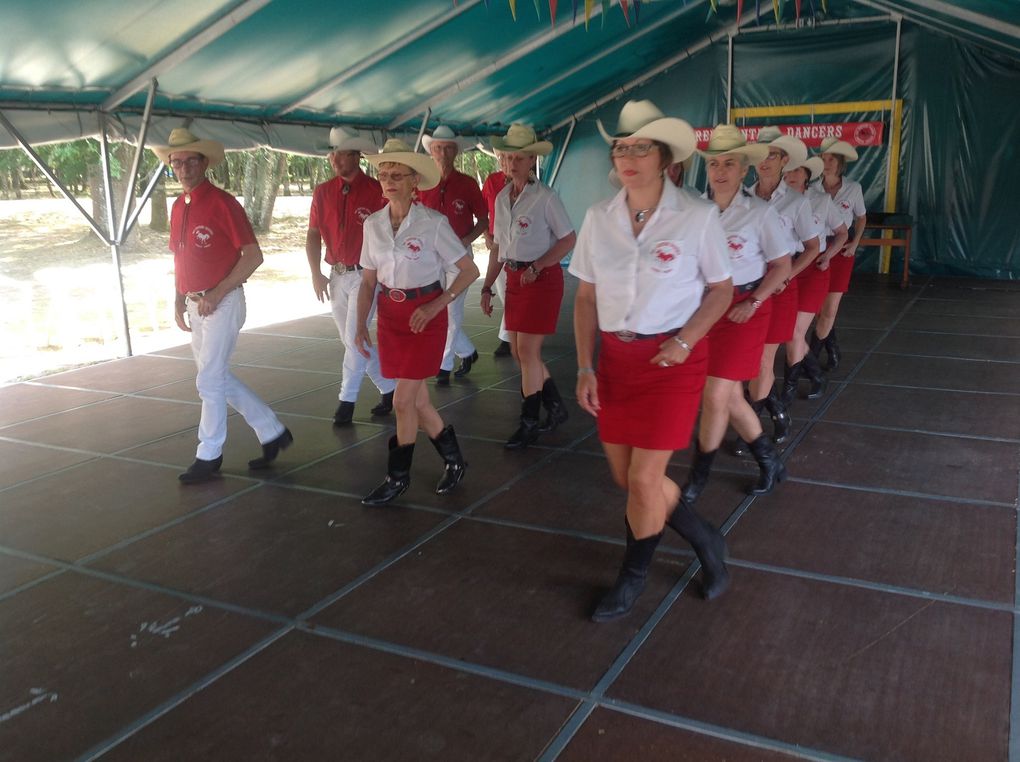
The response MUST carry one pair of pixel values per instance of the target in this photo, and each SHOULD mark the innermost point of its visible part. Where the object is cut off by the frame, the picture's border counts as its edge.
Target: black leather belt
(403, 294)
(628, 336)
(341, 269)
(743, 289)
(516, 264)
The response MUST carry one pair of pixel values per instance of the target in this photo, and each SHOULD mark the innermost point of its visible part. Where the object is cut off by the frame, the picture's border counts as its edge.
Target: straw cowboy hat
(839, 147)
(727, 139)
(182, 140)
(814, 166)
(343, 139)
(444, 134)
(793, 147)
(399, 152)
(522, 139)
(643, 119)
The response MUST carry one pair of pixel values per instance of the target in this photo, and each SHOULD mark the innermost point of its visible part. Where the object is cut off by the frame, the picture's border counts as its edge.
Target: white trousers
(457, 342)
(213, 339)
(343, 297)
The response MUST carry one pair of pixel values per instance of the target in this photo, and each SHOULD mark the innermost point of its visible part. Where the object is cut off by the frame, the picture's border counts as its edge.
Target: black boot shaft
(556, 410)
(630, 582)
(781, 421)
(772, 470)
(398, 476)
(449, 450)
(697, 478)
(709, 545)
(527, 432)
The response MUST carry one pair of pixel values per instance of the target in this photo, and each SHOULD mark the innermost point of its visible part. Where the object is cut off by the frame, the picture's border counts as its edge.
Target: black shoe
(697, 478)
(449, 450)
(814, 373)
(781, 421)
(503, 350)
(772, 470)
(443, 378)
(631, 580)
(344, 414)
(527, 432)
(709, 545)
(385, 406)
(556, 411)
(201, 471)
(465, 365)
(398, 475)
(270, 450)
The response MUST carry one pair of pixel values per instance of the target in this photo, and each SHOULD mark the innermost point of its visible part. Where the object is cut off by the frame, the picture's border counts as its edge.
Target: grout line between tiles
(1014, 704)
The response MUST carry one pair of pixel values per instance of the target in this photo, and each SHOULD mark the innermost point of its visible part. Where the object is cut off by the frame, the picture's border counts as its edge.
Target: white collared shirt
(826, 214)
(529, 229)
(423, 248)
(849, 200)
(655, 282)
(754, 237)
(795, 214)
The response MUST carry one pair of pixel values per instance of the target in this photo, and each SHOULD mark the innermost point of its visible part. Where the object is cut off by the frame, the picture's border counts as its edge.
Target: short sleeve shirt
(754, 237)
(208, 228)
(825, 212)
(418, 254)
(655, 282)
(849, 201)
(529, 229)
(459, 198)
(794, 213)
(493, 184)
(339, 211)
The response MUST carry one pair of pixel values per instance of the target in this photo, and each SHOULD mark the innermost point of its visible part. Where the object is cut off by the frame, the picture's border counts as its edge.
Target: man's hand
(320, 285)
(180, 310)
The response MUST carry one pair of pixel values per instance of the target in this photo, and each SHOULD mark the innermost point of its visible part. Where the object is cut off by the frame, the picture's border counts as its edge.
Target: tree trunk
(160, 220)
(18, 181)
(262, 171)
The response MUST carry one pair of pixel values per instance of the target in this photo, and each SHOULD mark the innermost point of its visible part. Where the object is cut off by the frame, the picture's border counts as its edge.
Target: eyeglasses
(638, 150)
(191, 161)
(396, 176)
(775, 155)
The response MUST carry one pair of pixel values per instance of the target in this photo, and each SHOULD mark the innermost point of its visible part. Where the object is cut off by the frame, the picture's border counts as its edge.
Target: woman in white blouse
(532, 234)
(405, 252)
(654, 278)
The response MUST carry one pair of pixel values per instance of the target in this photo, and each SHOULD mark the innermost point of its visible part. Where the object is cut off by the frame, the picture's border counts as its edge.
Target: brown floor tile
(940, 373)
(20, 462)
(323, 355)
(496, 415)
(299, 547)
(869, 313)
(315, 327)
(108, 426)
(307, 698)
(989, 415)
(130, 374)
(108, 653)
(857, 340)
(15, 572)
(991, 307)
(270, 384)
(926, 463)
(844, 670)
(514, 599)
(21, 402)
(88, 507)
(947, 345)
(609, 735)
(264, 348)
(941, 547)
(1005, 327)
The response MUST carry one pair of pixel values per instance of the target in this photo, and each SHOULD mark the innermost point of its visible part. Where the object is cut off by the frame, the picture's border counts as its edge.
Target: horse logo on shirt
(362, 214)
(459, 207)
(664, 257)
(844, 204)
(736, 243)
(523, 225)
(202, 236)
(413, 248)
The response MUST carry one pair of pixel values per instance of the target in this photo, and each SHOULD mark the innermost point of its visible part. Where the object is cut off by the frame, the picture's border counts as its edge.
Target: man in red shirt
(215, 252)
(457, 196)
(493, 184)
(339, 209)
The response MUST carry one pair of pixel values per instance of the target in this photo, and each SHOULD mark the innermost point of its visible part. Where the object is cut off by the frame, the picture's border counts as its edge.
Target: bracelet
(452, 294)
(682, 343)
(487, 290)
(756, 303)
(585, 371)
(534, 270)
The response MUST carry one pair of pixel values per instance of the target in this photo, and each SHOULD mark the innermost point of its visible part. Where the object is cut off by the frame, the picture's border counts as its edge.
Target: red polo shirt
(208, 228)
(459, 198)
(493, 184)
(339, 217)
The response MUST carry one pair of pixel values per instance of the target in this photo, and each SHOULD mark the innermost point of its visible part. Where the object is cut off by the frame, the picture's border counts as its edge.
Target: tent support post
(421, 130)
(729, 80)
(104, 153)
(129, 194)
(144, 199)
(563, 152)
(884, 260)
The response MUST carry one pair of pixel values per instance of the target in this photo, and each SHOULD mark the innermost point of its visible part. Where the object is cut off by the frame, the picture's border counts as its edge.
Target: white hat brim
(539, 148)
(463, 144)
(842, 148)
(427, 170)
(755, 152)
(676, 133)
(210, 149)
(355, 144)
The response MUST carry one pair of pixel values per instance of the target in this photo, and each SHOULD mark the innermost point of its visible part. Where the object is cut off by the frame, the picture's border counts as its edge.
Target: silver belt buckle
(195, 295)
(397, 295)
(626, 336)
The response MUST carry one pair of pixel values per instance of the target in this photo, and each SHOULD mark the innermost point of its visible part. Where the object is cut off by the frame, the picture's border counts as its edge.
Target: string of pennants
(631, 9)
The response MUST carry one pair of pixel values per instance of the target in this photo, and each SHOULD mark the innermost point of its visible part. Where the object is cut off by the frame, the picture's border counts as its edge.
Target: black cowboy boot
(448, 449)
(527, 432)
(740, 446)
(780, 417)
(631, 580)
(398, 475)
(772, 469)
(813, 370)
(697, 478)
(791, 375)
(385, 406)
(816, 344)
(708, 544)
(833, 350)
(554, 407)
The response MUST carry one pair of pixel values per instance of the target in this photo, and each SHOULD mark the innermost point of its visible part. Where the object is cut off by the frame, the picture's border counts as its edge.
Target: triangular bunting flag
(513, 8)
(626, 11)
(588, 5)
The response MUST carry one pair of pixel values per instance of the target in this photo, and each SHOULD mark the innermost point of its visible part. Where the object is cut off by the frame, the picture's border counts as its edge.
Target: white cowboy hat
(838, 147)
(522, 139)
(182, 140)
(397, 151)
(791, 146)
(814, 166)
(643, 119)
(342, 139)
(727, 139)
(444, 134)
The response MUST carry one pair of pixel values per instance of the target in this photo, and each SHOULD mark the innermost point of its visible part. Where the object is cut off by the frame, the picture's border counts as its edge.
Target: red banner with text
(854, 133)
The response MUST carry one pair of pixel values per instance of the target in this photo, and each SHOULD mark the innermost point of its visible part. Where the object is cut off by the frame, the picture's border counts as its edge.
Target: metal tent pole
(729, 79)
(144, 199)
(890, 192)
(129, 192)
(421, 130)
(114, 242)
(563, 153)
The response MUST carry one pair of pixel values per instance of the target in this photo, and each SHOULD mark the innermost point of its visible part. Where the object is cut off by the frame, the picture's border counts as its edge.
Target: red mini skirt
(812, 287)
(534, 308)
(645, 405)
(840, 270)
(735, 350)
(403, 354)
(784, 315)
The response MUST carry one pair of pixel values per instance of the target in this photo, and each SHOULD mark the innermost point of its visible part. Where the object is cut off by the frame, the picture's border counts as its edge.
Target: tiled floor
(271, 616)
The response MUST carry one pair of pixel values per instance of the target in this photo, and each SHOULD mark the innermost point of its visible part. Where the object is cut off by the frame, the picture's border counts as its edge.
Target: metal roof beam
(938, 25)
(378, 56)
(185, 50)
(480, 74)
(971, 17)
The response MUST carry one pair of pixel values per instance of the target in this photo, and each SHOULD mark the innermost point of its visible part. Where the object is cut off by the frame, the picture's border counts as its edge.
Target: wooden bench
(902, 226)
